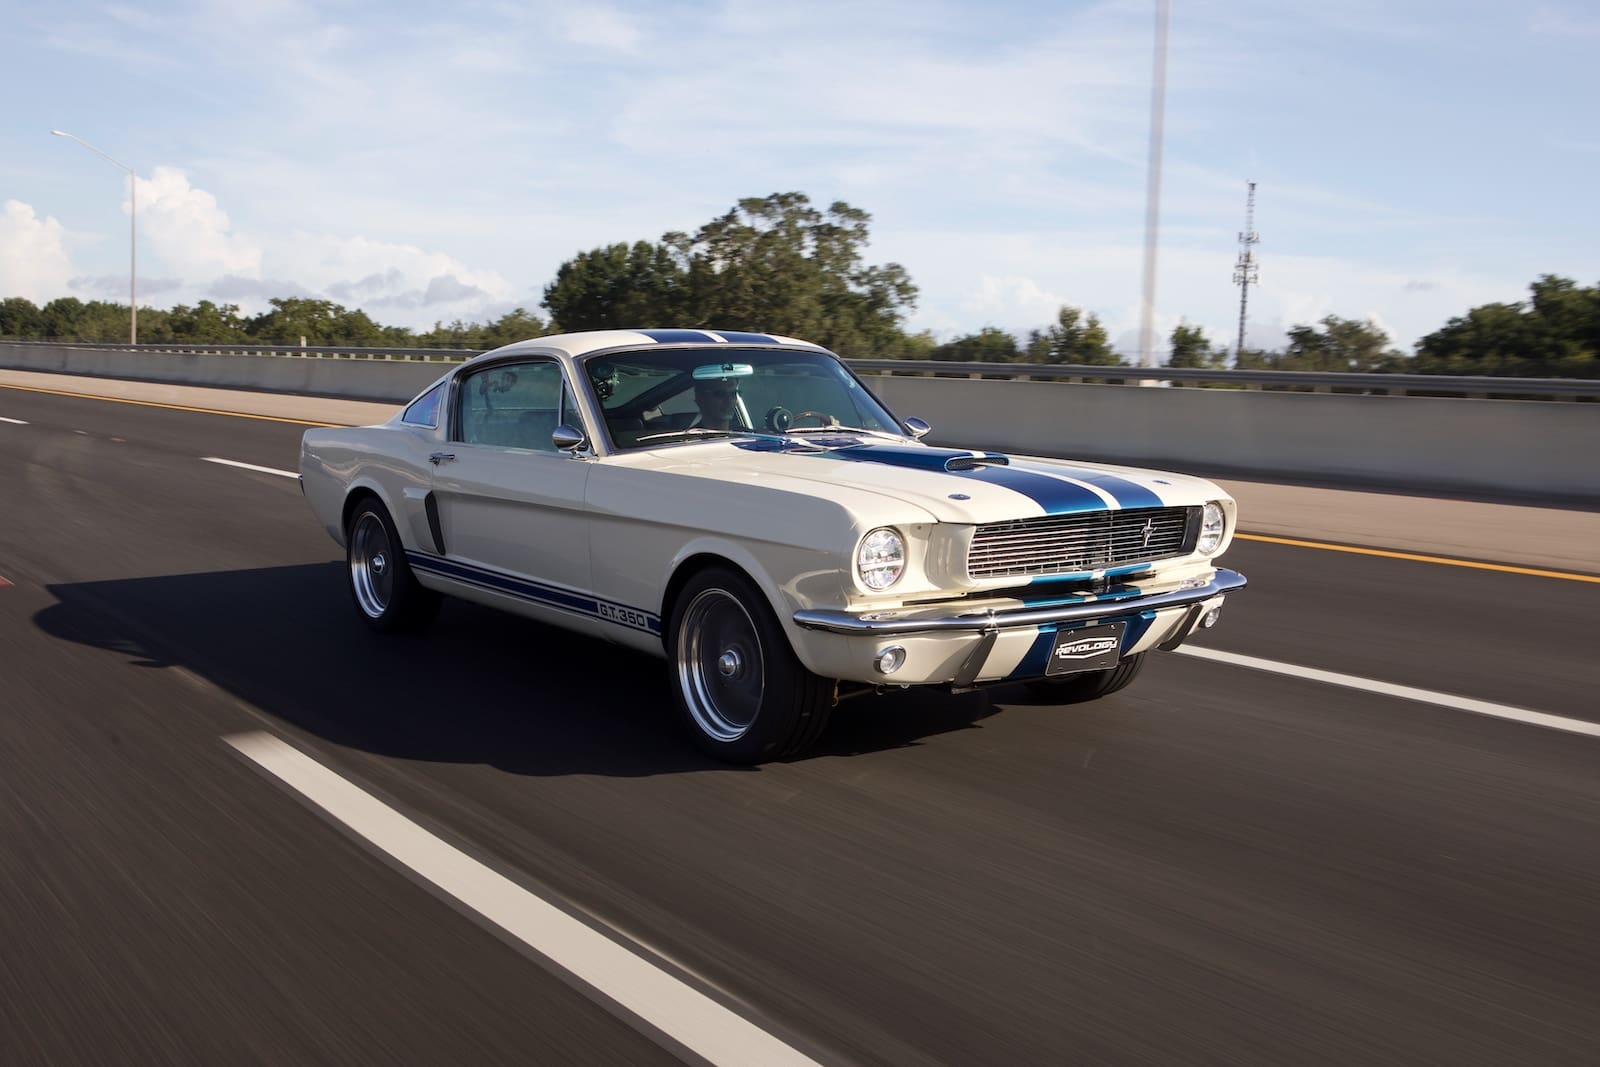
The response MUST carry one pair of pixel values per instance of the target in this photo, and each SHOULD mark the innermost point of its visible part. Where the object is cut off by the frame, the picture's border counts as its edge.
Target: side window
(424, 410)
(514, 405)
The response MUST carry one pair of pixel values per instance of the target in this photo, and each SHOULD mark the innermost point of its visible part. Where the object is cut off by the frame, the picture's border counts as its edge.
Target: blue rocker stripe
(537, 592)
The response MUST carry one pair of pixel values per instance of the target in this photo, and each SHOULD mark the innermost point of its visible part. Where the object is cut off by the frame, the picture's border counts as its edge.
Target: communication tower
(1246, 272)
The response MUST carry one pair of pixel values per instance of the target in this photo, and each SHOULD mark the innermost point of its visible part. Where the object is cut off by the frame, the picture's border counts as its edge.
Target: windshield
(653, 397)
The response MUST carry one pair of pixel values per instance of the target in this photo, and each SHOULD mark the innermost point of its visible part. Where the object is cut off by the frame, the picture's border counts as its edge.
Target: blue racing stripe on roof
(747, 338)
(678, 337)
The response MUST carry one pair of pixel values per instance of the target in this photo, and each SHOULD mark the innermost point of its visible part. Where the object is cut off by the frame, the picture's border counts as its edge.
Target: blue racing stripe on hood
(1054, 495)
(916, 457)
(1128, 494)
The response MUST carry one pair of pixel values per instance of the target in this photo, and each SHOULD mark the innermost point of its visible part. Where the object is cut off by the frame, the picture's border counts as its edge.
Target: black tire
(740, 690)
(386, 593)
(1091, 685)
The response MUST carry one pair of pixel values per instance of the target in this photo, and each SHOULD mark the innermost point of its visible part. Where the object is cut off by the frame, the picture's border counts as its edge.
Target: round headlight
(1212, 525)
(881, 558)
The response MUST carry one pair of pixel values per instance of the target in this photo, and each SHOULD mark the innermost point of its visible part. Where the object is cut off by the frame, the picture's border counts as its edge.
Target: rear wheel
(1091, 685)
(743, 694)
(381, 583)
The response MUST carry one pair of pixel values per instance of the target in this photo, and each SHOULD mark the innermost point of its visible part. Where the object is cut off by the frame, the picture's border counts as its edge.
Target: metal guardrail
(416, 355)
(1480, 386)
(1309, 381)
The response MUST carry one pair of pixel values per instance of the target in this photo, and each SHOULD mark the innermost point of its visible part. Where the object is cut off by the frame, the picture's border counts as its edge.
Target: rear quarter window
(424, 410)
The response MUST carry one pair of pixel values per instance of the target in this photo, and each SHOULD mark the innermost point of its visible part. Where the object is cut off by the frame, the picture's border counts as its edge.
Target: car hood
(951, 485)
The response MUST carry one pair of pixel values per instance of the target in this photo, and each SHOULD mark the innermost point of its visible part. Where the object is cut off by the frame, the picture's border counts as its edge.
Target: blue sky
(432, 162)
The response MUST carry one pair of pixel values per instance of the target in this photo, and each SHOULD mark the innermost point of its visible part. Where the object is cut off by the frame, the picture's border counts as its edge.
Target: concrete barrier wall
(1524, 447)
(1532, 448)
(353, 379)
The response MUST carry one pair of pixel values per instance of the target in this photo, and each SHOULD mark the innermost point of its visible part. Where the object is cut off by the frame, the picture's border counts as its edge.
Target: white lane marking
(1404, 692)
(684, 1014)
(14, 422)
(250, 467)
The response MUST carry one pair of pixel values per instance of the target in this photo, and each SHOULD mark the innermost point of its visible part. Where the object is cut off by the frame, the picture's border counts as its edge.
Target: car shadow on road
(480, 686)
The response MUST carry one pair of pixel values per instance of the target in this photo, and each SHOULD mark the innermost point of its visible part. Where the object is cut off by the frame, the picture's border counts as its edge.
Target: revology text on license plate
(1092, 648)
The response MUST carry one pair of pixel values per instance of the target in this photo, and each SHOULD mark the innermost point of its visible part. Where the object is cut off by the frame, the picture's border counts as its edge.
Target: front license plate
(1093, 648)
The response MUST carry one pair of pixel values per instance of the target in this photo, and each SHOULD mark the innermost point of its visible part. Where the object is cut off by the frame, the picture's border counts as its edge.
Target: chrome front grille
(1070, 544)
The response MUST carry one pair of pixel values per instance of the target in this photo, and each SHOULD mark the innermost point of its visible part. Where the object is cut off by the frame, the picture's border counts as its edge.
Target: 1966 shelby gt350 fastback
(744, 506)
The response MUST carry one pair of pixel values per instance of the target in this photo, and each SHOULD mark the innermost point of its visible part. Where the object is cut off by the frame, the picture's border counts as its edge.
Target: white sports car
(744, 506)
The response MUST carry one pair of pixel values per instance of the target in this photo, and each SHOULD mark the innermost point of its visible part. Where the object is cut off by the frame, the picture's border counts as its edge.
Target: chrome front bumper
(887, 623)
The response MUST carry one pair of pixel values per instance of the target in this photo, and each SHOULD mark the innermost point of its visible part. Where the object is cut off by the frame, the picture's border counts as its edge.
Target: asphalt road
(1218, 865)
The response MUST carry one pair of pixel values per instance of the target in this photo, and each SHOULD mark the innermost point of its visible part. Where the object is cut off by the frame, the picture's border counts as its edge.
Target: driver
(718, 401)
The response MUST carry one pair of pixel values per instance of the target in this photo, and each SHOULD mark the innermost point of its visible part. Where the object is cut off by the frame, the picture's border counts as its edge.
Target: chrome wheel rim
(371, 565)
(721, 670)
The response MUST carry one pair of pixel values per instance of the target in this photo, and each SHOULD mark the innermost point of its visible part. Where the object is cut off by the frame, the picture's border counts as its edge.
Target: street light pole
(1152, 209)
(133, 235)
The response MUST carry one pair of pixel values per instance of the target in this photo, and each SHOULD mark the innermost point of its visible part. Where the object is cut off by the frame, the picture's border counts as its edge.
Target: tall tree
(619, 286)
(989, 345)
(774, 264)
(1556, 333)
(1073, 338)
(320, 322)
(1340, 345)
(19, 318)
(219, 323)
(1191, 348)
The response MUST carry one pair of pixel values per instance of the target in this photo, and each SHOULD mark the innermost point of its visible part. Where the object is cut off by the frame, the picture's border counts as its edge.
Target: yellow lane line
(169, 407)
(1503, 567)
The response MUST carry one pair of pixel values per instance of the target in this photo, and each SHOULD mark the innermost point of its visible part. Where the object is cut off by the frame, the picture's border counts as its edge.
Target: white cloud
(115, 287)
(33, 258)
(1554, 21)
(1011, 300)
(186, 229)
(409, 285)
(602, 27)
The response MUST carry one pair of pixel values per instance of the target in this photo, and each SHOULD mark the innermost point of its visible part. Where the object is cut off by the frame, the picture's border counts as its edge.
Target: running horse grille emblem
(1145, 531)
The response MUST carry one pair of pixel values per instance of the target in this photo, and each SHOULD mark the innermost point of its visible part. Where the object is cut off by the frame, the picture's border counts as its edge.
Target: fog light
(1211, 618)
(890, 659)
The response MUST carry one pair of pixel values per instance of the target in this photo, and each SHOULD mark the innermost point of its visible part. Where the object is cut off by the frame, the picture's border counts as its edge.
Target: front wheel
(381, 583)
(743, 694)
(1091, 685)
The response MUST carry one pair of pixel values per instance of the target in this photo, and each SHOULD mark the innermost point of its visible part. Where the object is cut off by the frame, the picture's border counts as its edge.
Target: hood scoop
(972, 463)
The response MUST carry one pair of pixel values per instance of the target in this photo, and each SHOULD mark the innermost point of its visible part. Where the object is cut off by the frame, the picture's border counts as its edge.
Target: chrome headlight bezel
(880, 559)
(1213, 529)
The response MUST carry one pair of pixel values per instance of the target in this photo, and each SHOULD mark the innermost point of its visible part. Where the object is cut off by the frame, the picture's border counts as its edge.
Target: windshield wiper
(687, 431)
(838, 428)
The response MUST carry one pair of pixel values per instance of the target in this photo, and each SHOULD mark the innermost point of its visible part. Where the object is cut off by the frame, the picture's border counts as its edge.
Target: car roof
(579, 344)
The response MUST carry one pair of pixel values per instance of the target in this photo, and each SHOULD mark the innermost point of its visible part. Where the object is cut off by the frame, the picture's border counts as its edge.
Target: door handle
(439, 457)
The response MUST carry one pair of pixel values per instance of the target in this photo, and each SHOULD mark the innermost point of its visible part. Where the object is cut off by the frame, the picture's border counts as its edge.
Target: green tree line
(779, 264)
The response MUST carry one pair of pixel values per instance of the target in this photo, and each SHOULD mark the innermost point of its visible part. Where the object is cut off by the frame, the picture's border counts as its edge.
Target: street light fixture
(133, 235)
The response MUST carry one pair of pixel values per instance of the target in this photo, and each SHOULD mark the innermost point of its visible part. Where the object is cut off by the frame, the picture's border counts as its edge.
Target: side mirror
(919, 427)
(567, 438)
